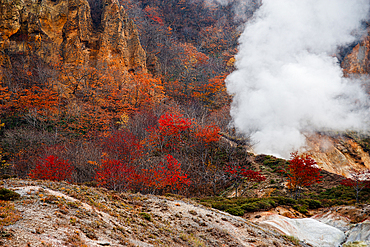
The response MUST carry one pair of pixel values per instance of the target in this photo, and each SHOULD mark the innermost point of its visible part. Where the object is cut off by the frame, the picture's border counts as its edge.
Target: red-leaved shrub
(52, 168)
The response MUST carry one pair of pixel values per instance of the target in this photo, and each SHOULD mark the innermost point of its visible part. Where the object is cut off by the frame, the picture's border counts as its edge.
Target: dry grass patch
(8, 214)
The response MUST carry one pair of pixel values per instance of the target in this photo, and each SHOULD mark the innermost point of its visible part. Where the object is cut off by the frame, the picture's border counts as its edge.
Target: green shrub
(265, 205)
(237, 211)
(285, 200)
(250, 207)
(8, 195)
(146, 216)
(221, 205)
(313, 204)
(271, 202)
(302, 209)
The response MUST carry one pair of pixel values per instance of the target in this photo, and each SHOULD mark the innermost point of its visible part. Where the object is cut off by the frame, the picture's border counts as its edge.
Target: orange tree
(302, 171)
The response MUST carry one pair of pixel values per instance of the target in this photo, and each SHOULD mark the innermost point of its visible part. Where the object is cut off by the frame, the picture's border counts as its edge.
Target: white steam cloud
(287, 82)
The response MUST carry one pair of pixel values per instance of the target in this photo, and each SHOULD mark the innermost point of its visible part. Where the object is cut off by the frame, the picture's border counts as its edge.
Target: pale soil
(61, 214)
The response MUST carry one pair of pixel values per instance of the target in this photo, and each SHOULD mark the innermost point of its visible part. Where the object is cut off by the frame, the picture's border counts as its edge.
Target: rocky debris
(64, 28)
(359, 233)
(58, 214)
(334, 219)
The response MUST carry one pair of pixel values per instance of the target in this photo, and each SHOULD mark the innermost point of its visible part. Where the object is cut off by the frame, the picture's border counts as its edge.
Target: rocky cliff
(338, 154)
(65, 29)
(357, 61)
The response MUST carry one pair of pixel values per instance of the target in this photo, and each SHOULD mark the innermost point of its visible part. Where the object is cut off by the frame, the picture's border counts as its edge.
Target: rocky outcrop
(331, 227)
(354, 221)
(337, 154)
(357, 61)
(64, 29)
(308, 230)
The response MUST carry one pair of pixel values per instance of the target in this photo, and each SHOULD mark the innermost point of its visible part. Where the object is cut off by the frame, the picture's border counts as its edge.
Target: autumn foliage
(243, 177)
(166, 176)
(115, 175)
(52, 168)
(122, 145)
(153, 130)
(302, 171)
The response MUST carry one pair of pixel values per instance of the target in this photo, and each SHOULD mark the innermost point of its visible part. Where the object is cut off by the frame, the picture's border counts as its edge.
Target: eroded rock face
(64, 29)
(357, 61)
(337, 154)
(331, 227)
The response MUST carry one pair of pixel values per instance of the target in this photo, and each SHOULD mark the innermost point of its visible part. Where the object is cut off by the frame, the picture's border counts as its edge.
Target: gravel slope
(61, 214)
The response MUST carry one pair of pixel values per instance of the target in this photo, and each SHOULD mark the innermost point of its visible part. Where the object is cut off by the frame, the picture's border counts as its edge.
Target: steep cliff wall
(358, 60)
(65, 28)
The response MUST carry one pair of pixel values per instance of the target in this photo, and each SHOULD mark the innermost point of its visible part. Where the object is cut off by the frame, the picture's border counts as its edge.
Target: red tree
(302, 172)
(243, 176)
(115, 175)
(122, 145)
(171, 132)
(358, 181)
(169, 176)
(52, 168)
(165, 177)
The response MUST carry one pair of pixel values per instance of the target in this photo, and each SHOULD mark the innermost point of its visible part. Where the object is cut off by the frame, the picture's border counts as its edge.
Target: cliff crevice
(71, 31)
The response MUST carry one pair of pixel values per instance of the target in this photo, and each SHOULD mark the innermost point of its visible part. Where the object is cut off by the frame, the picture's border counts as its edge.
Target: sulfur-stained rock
(357, 61)
(337, 155)
(65, 29)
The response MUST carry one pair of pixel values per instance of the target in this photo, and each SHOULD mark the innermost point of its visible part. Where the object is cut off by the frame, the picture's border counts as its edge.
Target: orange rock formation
(64, 29)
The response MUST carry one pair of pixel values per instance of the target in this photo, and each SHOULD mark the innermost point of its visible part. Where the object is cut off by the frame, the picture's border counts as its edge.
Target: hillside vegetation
(155, 129)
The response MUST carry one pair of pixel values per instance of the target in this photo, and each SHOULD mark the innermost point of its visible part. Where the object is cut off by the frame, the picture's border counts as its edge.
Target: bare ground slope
(61, 214)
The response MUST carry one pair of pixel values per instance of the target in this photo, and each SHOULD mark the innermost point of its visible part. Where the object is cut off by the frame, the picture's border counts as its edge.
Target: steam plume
(287, 82)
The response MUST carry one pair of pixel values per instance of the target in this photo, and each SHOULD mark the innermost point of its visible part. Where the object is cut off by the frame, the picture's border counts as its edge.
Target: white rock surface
(334, 219)
(308, 230)
(341, 219)
(359, 233)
